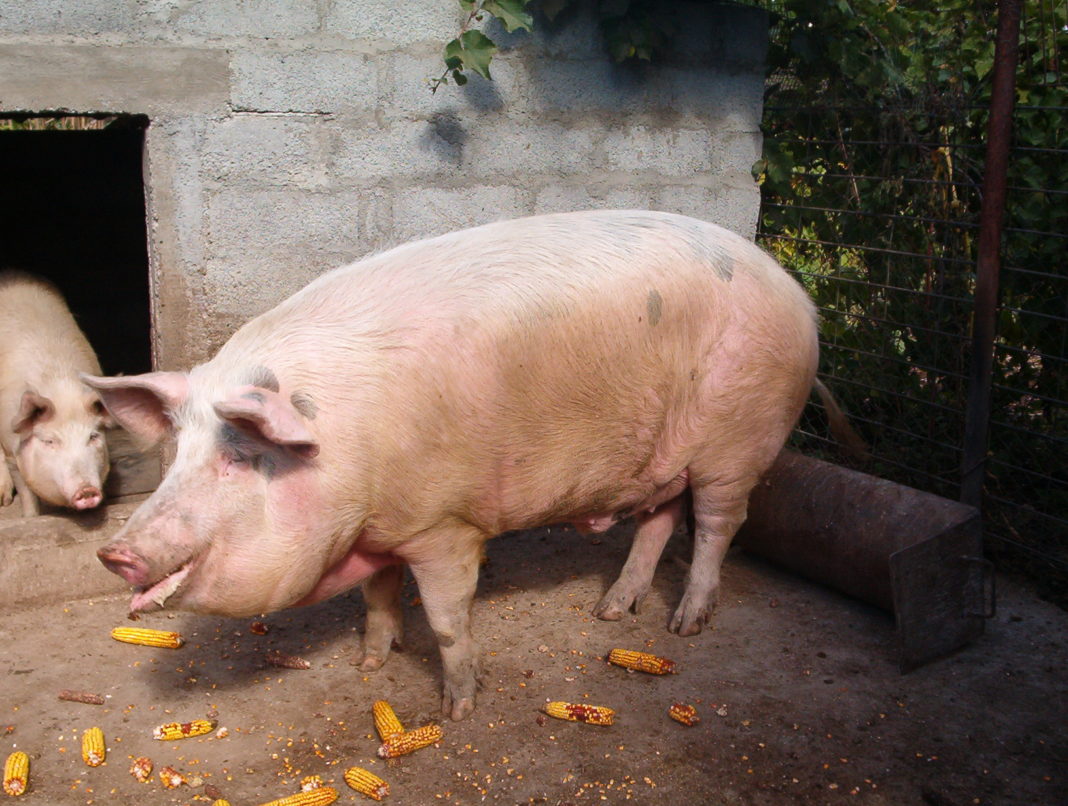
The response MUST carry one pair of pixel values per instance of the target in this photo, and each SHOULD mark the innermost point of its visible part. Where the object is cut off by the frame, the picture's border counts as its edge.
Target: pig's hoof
(613, 606)
(689, 620)
(460, 709)
(371, 663)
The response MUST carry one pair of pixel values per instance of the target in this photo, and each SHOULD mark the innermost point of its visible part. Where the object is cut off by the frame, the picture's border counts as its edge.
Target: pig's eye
(95, 437)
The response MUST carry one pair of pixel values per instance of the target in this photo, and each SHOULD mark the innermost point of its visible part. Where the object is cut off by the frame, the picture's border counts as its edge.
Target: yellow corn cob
(183, 730)
(686, 714)
(141, 769)
(641, 661)
(146, 637)
(16, 773)
(386, 722)
(221, 802)
(577, 712)
(93, 751)
(366, 783)
(313, 797)
(171, 778)
(400, 743)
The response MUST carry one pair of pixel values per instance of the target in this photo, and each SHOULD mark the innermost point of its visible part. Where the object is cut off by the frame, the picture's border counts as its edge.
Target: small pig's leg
(719, 509)
(650, 537)
(30, 505)
(7, 486)
(385, 618)
(445, 567)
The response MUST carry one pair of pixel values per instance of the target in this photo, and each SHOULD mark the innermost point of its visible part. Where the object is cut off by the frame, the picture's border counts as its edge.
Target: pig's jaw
(155, 596)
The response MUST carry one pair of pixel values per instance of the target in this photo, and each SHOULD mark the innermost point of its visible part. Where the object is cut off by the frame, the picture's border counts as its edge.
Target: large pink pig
(51, 425)
(579, 367)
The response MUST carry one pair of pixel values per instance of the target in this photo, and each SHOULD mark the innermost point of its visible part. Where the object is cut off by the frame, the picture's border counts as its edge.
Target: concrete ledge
(131, 78)
(52, 558)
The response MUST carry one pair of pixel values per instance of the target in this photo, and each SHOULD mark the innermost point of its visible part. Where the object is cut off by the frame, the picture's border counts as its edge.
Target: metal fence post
(988, 264)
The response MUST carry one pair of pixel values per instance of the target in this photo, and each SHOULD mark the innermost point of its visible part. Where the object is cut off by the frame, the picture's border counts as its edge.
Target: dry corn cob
(577, 712)
(686, 714)
(81, 696)
(641, 661)
(93, 750)
(141, 769)
(183, 730)
(221, 802)
(366, 783)
(400, 743)
(313, 797)
(386, 722)
(147, 637)
(171, 778)
(16, 773)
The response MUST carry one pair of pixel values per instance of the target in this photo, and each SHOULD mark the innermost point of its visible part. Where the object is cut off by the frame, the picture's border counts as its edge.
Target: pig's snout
(87, 498)
(122, 561)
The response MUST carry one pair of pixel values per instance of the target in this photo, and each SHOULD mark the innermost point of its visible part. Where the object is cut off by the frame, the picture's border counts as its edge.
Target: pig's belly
(348, 572)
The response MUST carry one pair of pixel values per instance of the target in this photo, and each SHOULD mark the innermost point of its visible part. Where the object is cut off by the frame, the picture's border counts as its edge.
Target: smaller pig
(51, 424)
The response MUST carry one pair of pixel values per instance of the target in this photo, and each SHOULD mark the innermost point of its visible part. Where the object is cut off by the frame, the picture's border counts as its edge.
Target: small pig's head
(231, 528)
(62, 454)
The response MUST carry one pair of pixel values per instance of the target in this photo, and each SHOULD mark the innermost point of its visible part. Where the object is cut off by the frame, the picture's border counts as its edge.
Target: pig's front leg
(445, 566)
(30, 505)
(385, 619)
(650, 536)
(7, 486)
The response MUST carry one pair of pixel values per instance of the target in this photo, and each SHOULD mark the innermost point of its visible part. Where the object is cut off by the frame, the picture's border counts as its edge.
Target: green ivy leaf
(477, 51)
(512, 14)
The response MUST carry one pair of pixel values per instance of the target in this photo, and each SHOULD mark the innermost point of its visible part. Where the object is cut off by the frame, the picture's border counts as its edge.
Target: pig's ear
(268, 416)
(142, 404)
(33, 409)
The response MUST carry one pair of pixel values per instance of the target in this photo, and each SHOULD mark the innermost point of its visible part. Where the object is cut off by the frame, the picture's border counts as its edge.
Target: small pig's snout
(122, 561)
(87, 498)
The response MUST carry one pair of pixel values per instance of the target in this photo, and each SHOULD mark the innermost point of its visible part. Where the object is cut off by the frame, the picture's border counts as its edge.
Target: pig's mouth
(155, 596)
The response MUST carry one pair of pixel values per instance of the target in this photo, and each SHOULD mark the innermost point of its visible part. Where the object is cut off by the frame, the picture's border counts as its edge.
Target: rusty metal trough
(913, 553)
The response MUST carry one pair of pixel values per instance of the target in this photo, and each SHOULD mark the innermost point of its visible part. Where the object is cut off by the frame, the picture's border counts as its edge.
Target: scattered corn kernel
(321, 796)
(141, 769)
(310, 782)
(147, 637)
(16, 773)
(686, 714)
(93, 750)
(386, 722)
(401, 743)
(183, 730)
(578, 712)
(366, 783)
(641, 661)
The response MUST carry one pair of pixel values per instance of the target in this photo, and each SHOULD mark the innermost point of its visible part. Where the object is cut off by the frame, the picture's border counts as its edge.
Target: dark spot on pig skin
(264, 378)
(253, 396)
(266, 466)
(654, 305)
(303, 403)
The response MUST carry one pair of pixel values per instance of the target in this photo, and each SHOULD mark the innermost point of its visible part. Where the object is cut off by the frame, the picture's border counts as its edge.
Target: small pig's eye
(98, 408)
(95, 437)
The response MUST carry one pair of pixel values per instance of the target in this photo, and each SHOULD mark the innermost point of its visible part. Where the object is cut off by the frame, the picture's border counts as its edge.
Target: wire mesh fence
(880, 223)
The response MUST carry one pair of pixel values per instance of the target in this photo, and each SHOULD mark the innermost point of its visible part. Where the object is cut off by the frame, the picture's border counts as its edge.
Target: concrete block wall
(287, 137)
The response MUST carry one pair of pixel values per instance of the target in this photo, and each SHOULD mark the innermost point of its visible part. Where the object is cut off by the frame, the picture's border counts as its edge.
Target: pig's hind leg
(385, 618)
(650, 536)
(7, 484)
(719, 508)
(445, 566)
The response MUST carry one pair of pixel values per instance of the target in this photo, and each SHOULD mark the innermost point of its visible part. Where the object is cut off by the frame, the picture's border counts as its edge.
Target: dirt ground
(797, 687)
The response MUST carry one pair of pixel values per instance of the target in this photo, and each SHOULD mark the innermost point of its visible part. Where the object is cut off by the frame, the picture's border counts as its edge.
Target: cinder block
(563, 198)
(64, 18)
(394, 24)
(272, 150)
(419, 212)
(303, 81)
(733, 201)
(407, 82)
(523, 150)
(403, 149)
(665, 151)
(239, 19)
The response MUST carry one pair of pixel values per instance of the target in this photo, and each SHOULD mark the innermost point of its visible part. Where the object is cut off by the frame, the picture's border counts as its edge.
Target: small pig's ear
(268, 416)
(142, 403)
(33, 409)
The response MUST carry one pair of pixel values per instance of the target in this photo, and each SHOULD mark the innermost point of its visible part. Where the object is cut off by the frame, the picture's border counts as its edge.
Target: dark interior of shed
(72, 210)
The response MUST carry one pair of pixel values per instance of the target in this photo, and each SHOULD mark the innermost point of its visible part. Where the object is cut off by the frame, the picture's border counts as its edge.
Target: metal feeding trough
(913, 553)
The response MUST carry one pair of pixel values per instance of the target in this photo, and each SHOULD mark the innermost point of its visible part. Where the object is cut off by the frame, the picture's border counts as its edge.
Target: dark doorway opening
(73, 210)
